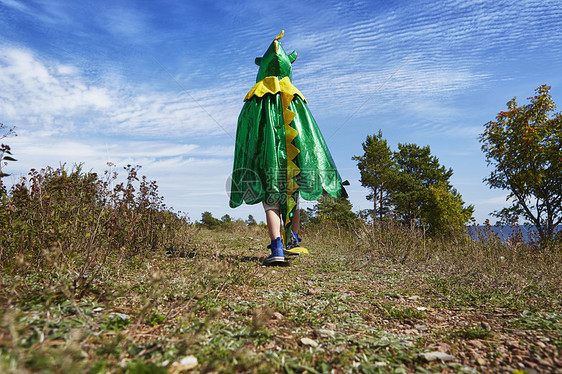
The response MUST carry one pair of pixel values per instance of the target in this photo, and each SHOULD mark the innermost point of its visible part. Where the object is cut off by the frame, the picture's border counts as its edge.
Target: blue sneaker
(292, 242)
(293, 246)
(276, 255)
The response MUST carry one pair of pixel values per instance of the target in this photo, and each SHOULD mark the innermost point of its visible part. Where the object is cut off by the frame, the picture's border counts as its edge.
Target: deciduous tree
(5, 155)
(445, 212)
(523, 145)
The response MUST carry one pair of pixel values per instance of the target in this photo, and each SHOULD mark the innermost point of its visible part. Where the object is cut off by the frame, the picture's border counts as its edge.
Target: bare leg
(273, 223)
(296, 220)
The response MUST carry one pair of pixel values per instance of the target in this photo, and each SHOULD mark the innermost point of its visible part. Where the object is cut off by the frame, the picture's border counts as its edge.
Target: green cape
(280, 152)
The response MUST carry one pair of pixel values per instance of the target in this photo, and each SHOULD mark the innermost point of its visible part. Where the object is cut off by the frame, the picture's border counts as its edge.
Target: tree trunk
(374, 206)
(381, 201)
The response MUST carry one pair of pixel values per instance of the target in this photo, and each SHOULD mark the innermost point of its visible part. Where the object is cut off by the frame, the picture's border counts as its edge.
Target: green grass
(472, 332)
(537, 321)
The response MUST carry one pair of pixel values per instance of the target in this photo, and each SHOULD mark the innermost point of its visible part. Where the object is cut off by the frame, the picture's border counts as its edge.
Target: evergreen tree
(251, 221)
(376, 166)
(413, 185)
(335, 211)
(416, 171)
(209, 221)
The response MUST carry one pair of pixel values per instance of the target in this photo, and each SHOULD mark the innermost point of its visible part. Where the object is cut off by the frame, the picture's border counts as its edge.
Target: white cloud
(44, 96)
(37, 93)
(498, 200)
(186, 174)
(15, 5)
(36, 150)
(123, 22)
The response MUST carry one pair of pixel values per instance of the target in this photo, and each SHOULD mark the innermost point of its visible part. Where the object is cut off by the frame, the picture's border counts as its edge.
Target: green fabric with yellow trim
(280, 151)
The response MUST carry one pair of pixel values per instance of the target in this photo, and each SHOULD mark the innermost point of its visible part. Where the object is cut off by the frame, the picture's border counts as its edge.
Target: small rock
(411, 332)
(476, 344)
(309, 342)
(119, 315)
(521, 352)
(277, 315)
(413, 298)
(324, 333)
(406, 343)
(421, 308)
(486, 326)
(502, 350)
(435, 356)
(474, 353)
(512, 343)
(541, 344)
(312, 291)
(339, 349)
(441, 347)
(421, 328)
(186, 363)
(545, 362)
(530, 364)
(481, 361)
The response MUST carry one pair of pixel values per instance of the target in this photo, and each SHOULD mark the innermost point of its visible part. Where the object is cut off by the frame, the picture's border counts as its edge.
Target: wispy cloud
(498, 200)
(17, 5)
(41, 95)
(450, 47)
(181, 170)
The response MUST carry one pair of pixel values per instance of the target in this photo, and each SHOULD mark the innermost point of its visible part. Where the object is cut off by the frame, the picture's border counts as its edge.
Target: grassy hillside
(363, 301)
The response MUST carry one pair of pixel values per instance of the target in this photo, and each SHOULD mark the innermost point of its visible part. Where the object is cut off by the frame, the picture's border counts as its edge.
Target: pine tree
(376, 166)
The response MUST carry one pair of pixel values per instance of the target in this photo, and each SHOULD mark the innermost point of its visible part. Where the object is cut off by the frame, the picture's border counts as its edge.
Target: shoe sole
(290, 254)
(296, 251)
(274, 260)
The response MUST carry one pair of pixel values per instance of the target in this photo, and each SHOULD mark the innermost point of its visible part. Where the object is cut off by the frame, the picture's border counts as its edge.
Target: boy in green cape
(280, 153)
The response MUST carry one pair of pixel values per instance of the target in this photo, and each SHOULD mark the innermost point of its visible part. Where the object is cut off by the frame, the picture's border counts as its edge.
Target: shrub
(81, 219)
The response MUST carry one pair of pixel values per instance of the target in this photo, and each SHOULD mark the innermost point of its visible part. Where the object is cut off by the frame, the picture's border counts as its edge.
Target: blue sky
(160, 83)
